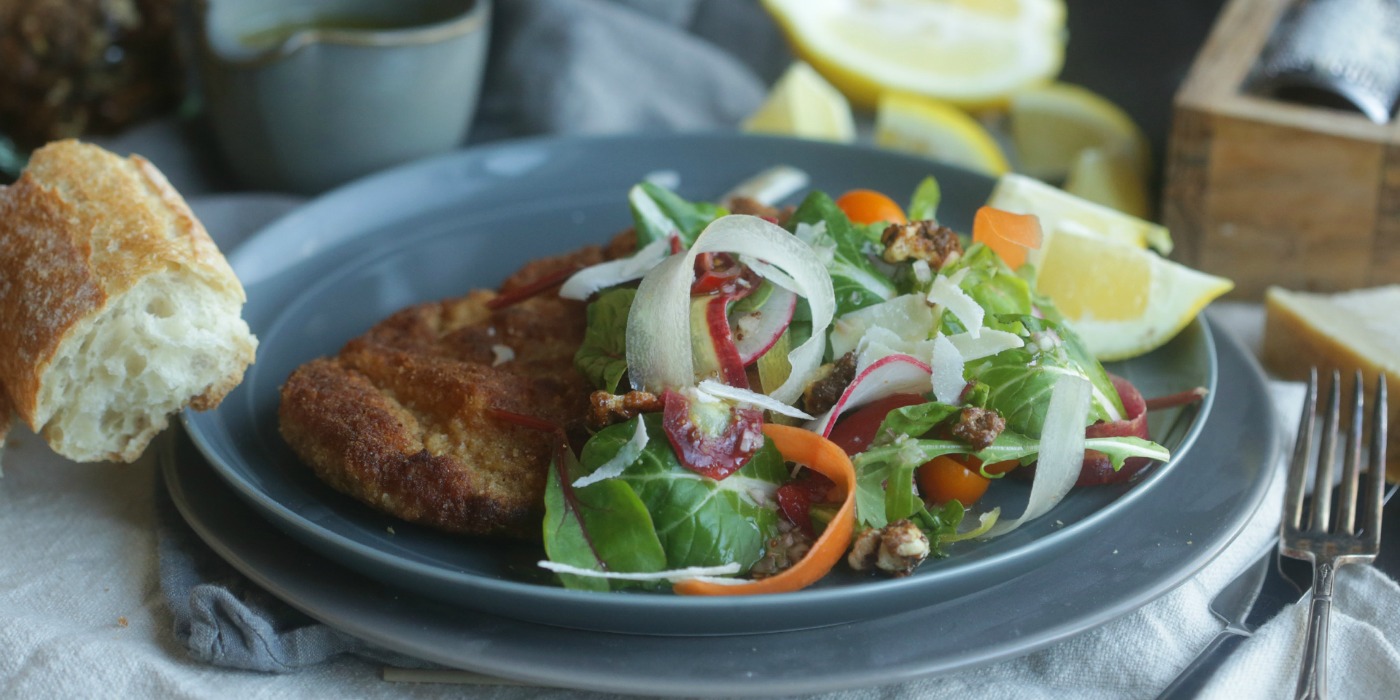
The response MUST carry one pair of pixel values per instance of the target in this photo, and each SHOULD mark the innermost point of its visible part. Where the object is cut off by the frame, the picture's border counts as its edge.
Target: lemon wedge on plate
(936, 130)
(1057, 208)
(1122, 300)
(802, 104)
(1052, 124)
(1108, 180)
(969, 52)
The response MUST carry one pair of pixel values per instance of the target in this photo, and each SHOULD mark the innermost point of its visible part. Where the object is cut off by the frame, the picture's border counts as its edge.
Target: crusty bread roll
(1346, 331)
(116, 308)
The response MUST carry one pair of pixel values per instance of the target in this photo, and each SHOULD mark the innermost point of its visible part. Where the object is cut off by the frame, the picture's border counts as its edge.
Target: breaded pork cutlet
(402, 418)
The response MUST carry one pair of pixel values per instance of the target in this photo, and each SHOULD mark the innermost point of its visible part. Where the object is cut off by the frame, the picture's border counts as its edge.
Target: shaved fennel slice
(658, 328)
(946, 293)
(585, 282)
(948, 367)
(892, 374)
(626, 455)
(667, 575)
(770, 272)
(769, 186)
(751, 398)
(1061, 451)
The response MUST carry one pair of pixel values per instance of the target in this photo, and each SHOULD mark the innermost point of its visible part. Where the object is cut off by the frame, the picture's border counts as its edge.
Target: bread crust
(79, 228)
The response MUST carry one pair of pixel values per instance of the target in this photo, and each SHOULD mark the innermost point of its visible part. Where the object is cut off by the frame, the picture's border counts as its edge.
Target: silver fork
(1348, 540)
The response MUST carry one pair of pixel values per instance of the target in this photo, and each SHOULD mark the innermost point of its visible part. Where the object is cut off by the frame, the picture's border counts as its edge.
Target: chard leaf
(659, 212)
(602, 357)
(603, 526)
(698, 521)
(855, 280)
(923, 205)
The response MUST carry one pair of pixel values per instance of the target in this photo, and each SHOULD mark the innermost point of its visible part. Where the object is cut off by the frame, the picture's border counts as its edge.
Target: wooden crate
(1269, 192)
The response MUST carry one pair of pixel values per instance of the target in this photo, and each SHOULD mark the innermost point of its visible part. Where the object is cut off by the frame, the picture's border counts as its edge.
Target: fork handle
(1312, 679)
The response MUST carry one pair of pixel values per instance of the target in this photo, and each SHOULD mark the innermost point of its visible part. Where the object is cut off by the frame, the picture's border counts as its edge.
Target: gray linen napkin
(558, 66)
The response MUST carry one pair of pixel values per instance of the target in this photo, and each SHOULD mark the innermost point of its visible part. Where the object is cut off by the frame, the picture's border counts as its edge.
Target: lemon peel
(803, 104)
(937, 130)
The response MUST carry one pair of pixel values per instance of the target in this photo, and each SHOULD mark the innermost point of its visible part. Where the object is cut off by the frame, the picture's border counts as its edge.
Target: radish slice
(948, 368)
(751, 398)
(946, 293)
(770, 186)
(626, 455)
(758, 330)
(590, 279)
(892, 374)
(658, 337)
(908, 316)
(1061, 451)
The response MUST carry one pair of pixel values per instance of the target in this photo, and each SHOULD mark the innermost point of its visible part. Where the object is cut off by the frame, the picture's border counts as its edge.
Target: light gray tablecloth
(104, 593)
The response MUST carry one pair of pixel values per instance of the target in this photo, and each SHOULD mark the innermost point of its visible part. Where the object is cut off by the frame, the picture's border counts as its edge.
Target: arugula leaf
(1020, 379)
(602, 357)
(854, 278)
(923, 205)
(990, 282)
(698, 521)
(659, 212)
(602, 526)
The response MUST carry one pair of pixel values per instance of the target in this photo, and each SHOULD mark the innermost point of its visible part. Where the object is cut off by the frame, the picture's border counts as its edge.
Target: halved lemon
(936, 130)
(972, 53)
(1110, 180)
(802, 104)
(1122, 300)
(1060, 209)
(1052, 124)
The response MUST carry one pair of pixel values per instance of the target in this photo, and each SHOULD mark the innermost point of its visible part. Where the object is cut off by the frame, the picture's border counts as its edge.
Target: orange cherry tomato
(869, 206)
(947, 478)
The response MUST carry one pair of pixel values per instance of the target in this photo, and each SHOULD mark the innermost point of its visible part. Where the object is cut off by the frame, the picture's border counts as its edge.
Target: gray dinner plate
(1172, 530)
(332, 268)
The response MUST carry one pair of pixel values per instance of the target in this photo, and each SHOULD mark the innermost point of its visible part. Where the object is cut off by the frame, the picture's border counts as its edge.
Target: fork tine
(1302, 449)
(1351, 464)
(1371, 510)
(1326, 460)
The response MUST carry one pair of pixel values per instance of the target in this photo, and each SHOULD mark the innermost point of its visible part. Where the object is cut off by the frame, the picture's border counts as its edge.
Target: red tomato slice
(855, 431)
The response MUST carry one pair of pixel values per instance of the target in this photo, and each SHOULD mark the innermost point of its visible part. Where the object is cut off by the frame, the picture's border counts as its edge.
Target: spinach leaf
(602, 357)
(659, 212)
(854, 278)
(602, 526)
(697, 520)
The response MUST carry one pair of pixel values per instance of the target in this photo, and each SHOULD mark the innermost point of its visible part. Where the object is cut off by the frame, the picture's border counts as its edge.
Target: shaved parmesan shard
(946, 293)
(626, 455)
(1061, 451)
(908, 316)
(948, 367)
(985, 344)
(770, 186)
(667, 575)
(751, 398)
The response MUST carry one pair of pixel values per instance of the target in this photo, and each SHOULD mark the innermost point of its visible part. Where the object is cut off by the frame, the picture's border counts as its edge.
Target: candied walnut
(920, 240)
(753, 207)
(604, 408)
(832, 379)
(978, 427)
(895, 549)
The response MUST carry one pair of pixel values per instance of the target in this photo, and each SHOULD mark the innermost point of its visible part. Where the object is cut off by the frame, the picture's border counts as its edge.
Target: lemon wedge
(1110, 180)
(970, 52)
(937, 130)
(1060, 209)
(802, 104)
(1122, 300)
(1052, 124)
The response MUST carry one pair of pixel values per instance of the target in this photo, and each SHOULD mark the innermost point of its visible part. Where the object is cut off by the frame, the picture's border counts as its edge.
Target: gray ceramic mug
(306, 94)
